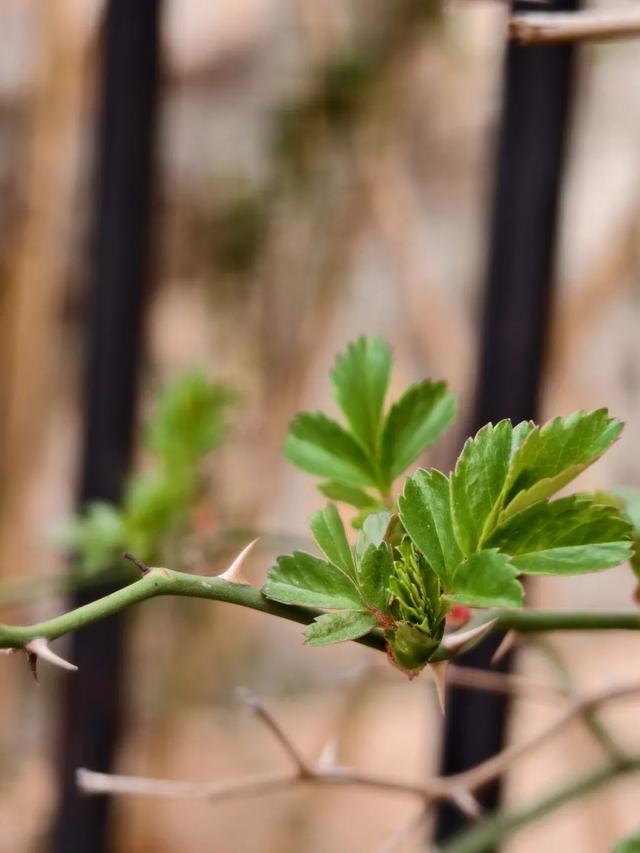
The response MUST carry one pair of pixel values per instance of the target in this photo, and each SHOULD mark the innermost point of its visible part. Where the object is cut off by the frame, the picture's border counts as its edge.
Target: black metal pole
(530, 155)
(120, 269)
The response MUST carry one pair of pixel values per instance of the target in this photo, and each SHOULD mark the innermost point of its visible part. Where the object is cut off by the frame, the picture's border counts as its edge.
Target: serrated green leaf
(360, 379)
(301, 578)
(332, 628)
(328, 531)
(372, 532)
(567, 536)
(374, 572)
(627, 499)
(486, 579)
(477, 483)
(321, 446)
(414, 423)
(425, 511)
(337, 491)
(553, 455)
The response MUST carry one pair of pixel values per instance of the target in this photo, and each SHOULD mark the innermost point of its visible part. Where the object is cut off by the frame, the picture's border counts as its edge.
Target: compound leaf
(554, 454)
(360, 380)
(486, 579)
(332, 628)
(321, 446)
(567, 536)
(375, 571)
(477, 483)
(425, 511)
(414, 423)
(303, 579)
(336, 490)
(328, 531)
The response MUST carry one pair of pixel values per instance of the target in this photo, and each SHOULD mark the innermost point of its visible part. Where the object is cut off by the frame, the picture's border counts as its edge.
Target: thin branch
(487, 834)
(458, 789)
(166, 582)
(261, 712)
(555, 27)
(493, 767)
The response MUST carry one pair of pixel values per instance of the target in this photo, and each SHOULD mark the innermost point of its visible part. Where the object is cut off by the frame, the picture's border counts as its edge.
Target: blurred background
(291, 175)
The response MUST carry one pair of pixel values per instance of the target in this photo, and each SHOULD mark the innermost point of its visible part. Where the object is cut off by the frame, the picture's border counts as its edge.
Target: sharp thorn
(328, 753)
(438, 672)
(39, 648)
(506, 644)
(234, 573)
(467, 803)
(462, 640)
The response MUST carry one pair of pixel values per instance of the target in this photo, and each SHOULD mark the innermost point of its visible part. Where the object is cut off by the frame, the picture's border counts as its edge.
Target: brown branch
(458, 789)
(554, 27)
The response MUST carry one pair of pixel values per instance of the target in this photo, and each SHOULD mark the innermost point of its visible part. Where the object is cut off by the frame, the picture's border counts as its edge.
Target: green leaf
(303, 579)
(477, 483)
(338, 491)
(97, 536)
(425, 511)
(486, 579)
(328, 531)
(411, 648)
(414, 423)
(321, 446)
(188, 421)
(375, 571)
(332, 628)
(567, 536)
(372, 532)
(628, 500)
(360, 379)
(553, 455)
(630, 844)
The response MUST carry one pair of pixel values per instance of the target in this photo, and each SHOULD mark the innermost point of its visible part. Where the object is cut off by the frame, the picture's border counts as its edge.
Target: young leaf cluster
(457, 539)
(187, 424)
(360, 460)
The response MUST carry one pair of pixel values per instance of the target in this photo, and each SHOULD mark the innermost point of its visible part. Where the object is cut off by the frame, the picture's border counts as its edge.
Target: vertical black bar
(530, 155)
(120, 268)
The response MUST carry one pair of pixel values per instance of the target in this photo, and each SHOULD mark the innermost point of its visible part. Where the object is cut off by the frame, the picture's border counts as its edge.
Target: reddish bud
(458, 616)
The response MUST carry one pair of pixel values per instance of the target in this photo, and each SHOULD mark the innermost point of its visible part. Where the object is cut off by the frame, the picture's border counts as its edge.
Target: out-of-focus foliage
(187, 424)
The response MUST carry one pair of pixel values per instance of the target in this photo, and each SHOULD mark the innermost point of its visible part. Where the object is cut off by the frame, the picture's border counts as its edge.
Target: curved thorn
(39, 648)
(467, 803)
(462, 640)
(438, 672)
(234, 573)
(506, 644)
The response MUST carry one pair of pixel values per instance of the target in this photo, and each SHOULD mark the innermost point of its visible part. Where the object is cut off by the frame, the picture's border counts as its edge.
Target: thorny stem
(166, 582)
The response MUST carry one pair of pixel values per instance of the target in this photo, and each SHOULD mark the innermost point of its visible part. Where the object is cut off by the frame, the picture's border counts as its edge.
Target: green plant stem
(493, 830)
(165, 582)
(527, 621)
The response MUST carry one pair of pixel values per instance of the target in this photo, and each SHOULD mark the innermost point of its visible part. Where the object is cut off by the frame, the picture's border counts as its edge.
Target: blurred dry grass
(387, 236)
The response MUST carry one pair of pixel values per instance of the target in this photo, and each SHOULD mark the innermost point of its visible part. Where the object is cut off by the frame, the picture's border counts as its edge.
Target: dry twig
(459, 789)
(555, 27)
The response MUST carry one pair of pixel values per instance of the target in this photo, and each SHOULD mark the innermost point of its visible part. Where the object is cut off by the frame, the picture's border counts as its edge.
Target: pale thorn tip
(506, 644)
(39, 647)
(462, 640)
(328, 753)
(467, 803)
(438, 672)
(234, 573)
